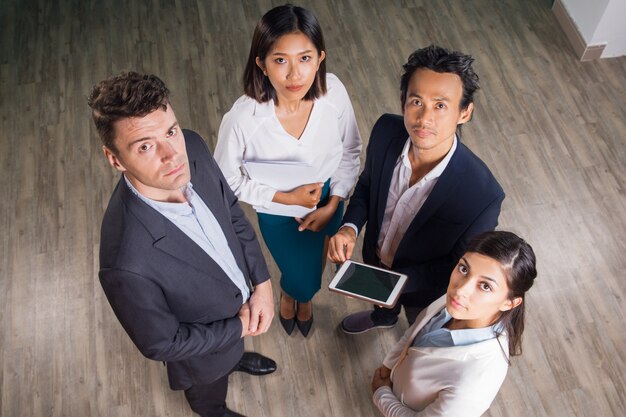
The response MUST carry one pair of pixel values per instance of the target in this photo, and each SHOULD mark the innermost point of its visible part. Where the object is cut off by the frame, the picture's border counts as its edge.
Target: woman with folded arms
(452, 361)
(294, 112)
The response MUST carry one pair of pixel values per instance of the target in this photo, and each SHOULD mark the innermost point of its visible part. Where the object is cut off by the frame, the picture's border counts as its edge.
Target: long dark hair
(279, 21)
(518, 261)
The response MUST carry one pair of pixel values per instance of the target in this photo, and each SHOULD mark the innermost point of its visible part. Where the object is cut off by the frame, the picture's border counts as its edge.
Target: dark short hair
(518, 260)
(128, 94)
(279, 21)
(441, 60)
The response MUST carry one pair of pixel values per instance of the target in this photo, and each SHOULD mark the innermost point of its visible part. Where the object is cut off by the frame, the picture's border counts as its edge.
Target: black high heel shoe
(305, 325)
(288, 324)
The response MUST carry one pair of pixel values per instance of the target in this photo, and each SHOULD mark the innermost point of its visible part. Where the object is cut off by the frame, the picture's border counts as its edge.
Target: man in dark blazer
(423, 194)
(177, 254)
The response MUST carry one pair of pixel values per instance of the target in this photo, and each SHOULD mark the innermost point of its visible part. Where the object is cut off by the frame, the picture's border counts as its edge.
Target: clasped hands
(257, 313)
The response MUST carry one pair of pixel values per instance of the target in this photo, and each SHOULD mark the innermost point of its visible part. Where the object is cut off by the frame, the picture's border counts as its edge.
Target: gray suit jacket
(176, 304)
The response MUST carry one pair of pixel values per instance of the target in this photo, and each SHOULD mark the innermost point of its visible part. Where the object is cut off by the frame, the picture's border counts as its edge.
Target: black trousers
(209, 400)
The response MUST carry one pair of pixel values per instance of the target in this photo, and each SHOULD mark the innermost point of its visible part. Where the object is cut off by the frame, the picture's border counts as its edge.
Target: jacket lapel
(391, 157)
(214, 199)
(444, 187)
(169, 238)
(422, 319)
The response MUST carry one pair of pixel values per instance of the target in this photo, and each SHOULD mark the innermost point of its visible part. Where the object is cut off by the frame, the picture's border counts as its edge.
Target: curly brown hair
(128, 94)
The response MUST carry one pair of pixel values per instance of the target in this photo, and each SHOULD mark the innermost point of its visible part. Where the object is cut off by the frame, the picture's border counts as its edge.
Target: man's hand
(318, 219)
(261, 309)
(244, 316)
(382, 377)
(341, 245)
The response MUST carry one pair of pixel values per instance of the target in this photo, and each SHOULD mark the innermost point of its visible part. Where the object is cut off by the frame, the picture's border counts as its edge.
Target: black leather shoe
(305, 325)
(288, 324)
(256, 364)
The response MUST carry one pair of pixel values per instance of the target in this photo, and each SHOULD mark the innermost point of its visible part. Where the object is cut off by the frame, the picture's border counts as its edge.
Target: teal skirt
(299, 255)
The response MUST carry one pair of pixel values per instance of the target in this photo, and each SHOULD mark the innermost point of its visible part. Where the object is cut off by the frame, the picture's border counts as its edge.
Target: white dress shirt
(330, 143)
(404, 202)
(197, 221)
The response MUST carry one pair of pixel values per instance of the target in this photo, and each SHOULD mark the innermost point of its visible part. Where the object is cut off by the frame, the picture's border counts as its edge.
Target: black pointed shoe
(305, 325)
(288, 324)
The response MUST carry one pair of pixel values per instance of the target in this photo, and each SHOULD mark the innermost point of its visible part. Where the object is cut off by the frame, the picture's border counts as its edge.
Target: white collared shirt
(330, 143)
(404, 202)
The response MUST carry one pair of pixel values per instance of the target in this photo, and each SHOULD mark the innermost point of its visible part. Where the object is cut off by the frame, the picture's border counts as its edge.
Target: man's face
(432, 110)
(151, 153)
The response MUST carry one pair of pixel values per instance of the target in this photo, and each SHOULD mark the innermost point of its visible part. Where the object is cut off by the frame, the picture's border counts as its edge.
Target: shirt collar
(438, 169)
(170, 210)
(263, 109)
(468, 336)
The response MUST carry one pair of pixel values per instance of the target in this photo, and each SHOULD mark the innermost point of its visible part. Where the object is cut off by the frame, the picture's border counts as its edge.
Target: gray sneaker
(362, 322)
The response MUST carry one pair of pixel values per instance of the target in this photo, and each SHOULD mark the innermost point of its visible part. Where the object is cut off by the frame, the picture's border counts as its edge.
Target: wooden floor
(552, 130)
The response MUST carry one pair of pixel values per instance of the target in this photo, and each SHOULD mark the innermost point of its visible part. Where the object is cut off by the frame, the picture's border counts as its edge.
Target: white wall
(586, 14)
(612, 29)
(600, 22)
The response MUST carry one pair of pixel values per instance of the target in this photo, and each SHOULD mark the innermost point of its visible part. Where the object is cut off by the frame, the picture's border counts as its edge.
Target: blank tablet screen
(368, 282)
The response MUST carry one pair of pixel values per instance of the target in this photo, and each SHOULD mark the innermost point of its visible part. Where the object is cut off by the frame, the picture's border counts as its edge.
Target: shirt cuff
(339, 190)
(353, 227)
(380, 393)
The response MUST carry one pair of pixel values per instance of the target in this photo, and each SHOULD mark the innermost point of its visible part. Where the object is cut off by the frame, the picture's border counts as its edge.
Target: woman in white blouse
(292, 112)
(452, 361)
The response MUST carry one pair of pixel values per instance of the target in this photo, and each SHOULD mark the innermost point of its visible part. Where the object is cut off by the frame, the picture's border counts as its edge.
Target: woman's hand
(307, 195)
(382, 378)
(318, 219)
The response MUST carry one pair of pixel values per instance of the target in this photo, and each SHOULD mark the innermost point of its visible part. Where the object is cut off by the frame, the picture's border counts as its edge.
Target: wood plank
(550, 127)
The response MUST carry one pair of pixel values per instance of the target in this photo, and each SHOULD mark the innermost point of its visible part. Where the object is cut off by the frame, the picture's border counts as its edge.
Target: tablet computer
(365, 282)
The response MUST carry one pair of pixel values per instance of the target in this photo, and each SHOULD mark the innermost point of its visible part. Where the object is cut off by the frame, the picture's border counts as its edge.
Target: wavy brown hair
(128, 94)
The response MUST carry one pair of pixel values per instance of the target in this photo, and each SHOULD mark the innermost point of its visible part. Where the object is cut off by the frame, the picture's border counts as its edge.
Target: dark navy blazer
(465, 201)
(176, 304)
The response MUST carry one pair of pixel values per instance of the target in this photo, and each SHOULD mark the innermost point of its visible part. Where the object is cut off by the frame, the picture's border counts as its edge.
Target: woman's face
(478, 291)
(291, 66)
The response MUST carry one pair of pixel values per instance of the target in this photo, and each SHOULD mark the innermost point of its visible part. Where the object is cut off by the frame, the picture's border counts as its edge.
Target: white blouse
(455, 381)
(330, 143)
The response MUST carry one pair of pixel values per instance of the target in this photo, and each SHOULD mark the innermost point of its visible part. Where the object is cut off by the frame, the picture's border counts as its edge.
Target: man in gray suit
(177, 254)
